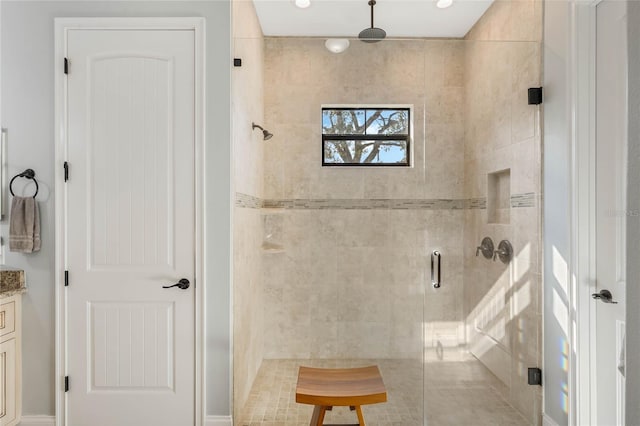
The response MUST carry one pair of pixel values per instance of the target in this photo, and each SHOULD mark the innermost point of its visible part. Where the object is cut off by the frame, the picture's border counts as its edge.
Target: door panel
(8, 405)
(611, 113)
(130, 227)
(129, 164)
(131, 345)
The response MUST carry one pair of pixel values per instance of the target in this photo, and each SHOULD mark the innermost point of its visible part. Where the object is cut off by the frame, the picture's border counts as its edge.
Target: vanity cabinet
(10, 364)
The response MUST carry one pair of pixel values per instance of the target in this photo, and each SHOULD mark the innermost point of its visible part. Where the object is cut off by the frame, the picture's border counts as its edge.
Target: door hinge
(66, 278)
(66, 66)
(66, 383)
(535, 95)
(66, 171)
(534, 376)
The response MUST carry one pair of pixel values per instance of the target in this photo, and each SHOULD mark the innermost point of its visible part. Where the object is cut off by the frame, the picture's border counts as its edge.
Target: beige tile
(454, 64)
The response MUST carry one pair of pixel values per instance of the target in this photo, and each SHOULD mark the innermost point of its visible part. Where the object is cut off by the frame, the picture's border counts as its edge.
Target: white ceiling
(346, 18)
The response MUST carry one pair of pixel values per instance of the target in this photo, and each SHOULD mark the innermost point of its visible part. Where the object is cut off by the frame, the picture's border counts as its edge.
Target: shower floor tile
(457, 394)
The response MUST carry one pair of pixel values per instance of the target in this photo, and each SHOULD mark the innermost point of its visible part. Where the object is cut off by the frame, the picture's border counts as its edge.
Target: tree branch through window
(366, 136)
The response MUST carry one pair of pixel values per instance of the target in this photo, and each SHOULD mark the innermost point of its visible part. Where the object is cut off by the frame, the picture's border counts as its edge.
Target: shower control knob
(486, 248)
(504, 252)
(499, 252)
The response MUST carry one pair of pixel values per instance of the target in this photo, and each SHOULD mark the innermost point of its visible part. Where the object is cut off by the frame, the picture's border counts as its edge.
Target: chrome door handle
(604, 296)
(183, 284)
(435, 282)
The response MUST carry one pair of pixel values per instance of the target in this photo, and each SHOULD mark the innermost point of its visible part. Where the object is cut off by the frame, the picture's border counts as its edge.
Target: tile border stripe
(364, 204)
(523, 200)
(249, 201)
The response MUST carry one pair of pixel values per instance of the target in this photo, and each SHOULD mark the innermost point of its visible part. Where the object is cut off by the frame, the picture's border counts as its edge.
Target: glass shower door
(482, 326)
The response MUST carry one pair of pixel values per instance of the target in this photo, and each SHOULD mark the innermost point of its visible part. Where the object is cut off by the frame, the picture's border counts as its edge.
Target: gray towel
(24, 225)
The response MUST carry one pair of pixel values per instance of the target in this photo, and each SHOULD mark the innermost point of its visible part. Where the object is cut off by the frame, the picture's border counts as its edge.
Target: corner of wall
(247, 174)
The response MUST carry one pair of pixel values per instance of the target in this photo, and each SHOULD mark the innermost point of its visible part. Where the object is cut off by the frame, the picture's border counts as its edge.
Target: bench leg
(360, 416)
(318, 415)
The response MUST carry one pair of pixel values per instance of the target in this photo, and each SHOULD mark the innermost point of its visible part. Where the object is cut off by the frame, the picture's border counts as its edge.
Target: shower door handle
(435, 279)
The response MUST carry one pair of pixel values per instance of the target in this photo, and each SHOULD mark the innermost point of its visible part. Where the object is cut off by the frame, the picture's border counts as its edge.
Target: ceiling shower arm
(372, 3)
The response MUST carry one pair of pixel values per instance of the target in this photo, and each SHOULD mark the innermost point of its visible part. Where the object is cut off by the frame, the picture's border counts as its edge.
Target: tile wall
(349, 282)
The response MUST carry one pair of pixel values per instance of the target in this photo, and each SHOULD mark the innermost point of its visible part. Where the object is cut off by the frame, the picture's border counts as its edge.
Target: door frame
(62, 27)
(583, 195)
(583, 403)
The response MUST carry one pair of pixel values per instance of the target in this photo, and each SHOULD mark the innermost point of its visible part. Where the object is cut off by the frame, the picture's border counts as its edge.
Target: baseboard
(218, 421)
(548, 421)
(51, 421)
(38, 421)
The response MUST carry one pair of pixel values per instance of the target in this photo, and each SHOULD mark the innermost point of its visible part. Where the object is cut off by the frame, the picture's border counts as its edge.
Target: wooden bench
(345, 387)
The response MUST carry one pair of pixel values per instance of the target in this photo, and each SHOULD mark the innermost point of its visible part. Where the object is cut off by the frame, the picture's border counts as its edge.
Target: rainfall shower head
(372, 34)
(266, 135)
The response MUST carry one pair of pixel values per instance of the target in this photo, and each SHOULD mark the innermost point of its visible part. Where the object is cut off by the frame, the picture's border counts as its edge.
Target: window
(366, 136)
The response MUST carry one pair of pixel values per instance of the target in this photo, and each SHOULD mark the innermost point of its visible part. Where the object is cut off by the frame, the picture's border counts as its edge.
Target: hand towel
(24, 225)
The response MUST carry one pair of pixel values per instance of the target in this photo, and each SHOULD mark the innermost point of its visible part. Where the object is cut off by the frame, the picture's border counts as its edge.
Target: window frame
(364, 137)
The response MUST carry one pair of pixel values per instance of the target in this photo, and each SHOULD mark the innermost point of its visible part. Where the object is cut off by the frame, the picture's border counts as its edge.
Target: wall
(350, 280)
(248, 146)
(27, 106)
(502, 303)
(633, 220)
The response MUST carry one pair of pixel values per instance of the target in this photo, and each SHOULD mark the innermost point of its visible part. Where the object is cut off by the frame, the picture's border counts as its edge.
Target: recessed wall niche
(499, 196)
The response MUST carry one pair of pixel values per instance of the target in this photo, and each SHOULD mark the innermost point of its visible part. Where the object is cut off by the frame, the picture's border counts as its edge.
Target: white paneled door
(610, 159)
(130, 227)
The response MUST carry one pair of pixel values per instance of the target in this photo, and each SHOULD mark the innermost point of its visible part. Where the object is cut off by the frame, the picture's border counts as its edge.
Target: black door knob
(183, 284)
(605, 296)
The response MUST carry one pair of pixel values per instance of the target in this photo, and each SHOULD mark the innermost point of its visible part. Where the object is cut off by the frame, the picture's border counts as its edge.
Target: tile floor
(458, 393)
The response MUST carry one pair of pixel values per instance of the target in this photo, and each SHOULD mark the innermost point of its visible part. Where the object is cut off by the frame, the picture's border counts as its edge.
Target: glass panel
(387, 121)
(365, 152)
(481, 327)
(342, 277)
(343, 121)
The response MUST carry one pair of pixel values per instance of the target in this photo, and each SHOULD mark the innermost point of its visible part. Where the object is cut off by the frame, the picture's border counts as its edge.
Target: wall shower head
(266, 135)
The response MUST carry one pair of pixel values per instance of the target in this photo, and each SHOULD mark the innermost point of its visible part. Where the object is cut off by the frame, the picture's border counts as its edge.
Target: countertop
(12, 282)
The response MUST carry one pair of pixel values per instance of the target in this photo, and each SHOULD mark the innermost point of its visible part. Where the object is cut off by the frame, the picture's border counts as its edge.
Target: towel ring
(28, 174)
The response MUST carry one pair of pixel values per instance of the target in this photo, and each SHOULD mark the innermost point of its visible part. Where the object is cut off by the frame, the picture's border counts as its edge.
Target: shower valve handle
(486, 248)
(504, 252)
(499, 253)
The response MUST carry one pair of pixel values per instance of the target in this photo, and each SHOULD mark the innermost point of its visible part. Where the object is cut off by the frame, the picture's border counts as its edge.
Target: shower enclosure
(332, 265)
